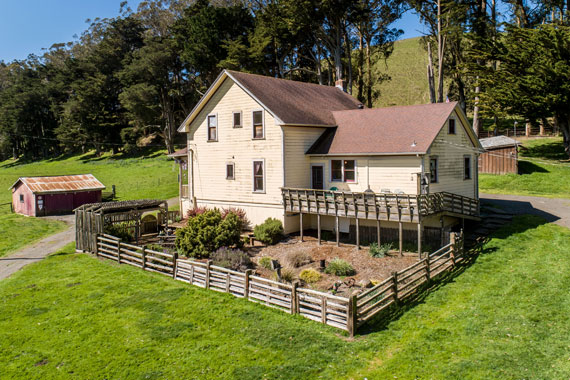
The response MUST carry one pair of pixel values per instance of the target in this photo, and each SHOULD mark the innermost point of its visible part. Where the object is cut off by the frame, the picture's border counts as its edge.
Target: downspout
(192, 196)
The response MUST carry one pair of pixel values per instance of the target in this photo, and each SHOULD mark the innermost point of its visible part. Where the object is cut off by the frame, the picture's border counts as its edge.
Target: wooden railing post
(96, 245)
(246, 285)
(119, 251)
(143, 258)
(395, 287)
(228, 282)
(351, 315)
(453, 240)
(428, 268)
(324, 310)
(294, 298)
(174, 264)
(208, 264)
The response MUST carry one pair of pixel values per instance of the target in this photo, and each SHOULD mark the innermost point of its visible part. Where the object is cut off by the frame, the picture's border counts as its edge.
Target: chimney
(340, 84)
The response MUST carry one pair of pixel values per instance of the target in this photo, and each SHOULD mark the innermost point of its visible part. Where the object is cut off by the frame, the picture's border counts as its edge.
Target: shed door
(317, 175)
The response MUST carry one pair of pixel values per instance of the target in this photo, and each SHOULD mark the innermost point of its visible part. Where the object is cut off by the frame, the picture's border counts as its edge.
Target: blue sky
(27, 26)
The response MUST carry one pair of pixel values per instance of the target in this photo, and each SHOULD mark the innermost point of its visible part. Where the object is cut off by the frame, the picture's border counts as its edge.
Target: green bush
(269, 232)
(207, 232)
(310, 276)
(380, 251)
(340, 267)
(121, 231)
(234, 259)
(265, 262)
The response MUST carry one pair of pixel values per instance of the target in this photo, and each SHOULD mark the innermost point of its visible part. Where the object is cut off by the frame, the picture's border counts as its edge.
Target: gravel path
(554, 210)
(39, 250)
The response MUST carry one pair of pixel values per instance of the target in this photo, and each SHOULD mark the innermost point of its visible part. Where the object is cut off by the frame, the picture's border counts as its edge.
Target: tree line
(129, 81)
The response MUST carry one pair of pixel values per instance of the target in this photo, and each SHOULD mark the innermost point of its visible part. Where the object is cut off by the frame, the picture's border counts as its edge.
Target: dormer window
(451, 127)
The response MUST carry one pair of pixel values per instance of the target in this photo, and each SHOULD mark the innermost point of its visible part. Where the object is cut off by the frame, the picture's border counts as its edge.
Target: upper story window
(467, 167)
(258, 127)
(433, 174)
(230, 170)
(212, 128)
(259, 176)
(21, 198)
(343, 170)
(237, 119)
(451, 126)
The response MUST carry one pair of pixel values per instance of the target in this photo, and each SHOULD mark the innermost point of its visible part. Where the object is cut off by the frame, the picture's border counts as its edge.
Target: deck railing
(377, 206)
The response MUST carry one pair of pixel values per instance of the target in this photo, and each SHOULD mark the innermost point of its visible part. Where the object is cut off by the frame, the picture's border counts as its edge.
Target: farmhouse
(41, 196)
(313, 157)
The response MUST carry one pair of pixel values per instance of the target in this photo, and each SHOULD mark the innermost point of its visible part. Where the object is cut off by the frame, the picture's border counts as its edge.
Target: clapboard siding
(386, 172)
(298, 165)
(450, 151)
(235, 145)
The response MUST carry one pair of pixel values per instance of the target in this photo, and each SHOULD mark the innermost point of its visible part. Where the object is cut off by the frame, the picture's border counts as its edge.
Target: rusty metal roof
(179, 153)
(61, 184)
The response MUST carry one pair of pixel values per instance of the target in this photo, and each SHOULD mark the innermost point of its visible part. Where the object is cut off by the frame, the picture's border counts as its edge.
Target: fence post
(96, 245)
(351, 317)
(395, 287)
(143, 258)
(428, 269)
(452, 240)
(294, 298)
(174, 264)
(246, 285)
(208, 274)
(228, 282)
(324, 310)
(119, 251)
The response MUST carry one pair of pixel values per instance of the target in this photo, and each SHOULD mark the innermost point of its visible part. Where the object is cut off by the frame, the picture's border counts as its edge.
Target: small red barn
(40, 196)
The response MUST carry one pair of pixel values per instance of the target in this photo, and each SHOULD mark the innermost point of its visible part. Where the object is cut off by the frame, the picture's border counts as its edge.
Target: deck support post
(378, 231)
(442, 232)
(301, 225)
(319, 228)
(400, 238)
(337, 232)
(357, 233)
(420, 239)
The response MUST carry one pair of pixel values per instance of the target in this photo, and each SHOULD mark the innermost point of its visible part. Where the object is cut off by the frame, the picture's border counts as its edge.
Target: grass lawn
(152, 176)
(545, 172)
(75, 317)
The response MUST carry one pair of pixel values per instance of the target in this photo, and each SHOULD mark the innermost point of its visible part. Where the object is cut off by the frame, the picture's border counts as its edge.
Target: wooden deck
(378, 206)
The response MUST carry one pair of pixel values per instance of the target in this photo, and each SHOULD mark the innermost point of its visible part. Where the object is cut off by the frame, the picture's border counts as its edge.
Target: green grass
(75, 317)
(152, 176)
(545, 171)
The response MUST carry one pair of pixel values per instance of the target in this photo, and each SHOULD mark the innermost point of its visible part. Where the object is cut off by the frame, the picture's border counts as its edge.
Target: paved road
(40, 249)
(554, 210)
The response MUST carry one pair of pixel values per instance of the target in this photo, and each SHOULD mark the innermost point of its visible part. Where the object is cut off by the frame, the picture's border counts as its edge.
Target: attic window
(237, 119)
(212, 128)
(451, 129)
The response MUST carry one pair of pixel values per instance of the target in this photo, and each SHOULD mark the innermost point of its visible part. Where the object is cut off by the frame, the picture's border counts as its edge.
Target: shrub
(265, 262)
(121, 231)
(380, 251)
(240, 213)
(340, 267)
(234, 259)
(310, 275)
(195, 211)
(297, 259)
(207, 232)
(287, 275)
(269, 232)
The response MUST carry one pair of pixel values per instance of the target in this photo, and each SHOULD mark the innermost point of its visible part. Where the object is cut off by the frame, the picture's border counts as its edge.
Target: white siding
(298, 165)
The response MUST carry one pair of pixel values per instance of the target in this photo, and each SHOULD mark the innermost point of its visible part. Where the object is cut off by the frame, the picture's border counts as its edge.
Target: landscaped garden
(505, 316)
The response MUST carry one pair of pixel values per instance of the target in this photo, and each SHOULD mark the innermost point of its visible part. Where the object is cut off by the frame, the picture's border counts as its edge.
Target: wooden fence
(346, 313)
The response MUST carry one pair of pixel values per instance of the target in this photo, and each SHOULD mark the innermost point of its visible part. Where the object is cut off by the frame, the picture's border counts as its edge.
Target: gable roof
(289, 102)
(390, 131)
(498, 142)
(61, 184)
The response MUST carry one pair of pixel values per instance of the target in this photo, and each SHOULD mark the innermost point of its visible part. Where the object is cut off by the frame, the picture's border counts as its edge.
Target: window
(21, 198)
(212, 128)
(451, 124)
(467, 167)
(237, 119)
(258, 125)
(433, 170)
(230, 170)
(258, 176)
(343, 170)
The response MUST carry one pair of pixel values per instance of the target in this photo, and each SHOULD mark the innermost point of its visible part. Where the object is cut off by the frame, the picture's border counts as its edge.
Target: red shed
(40, 196)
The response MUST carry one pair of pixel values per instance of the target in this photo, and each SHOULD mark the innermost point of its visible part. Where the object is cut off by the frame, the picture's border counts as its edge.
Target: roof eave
(367, 154)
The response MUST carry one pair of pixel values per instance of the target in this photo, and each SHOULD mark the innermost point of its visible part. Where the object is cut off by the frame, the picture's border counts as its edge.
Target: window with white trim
(259, 176)
(343, 170)
(230, 170)
(466, 167)
(433, 175)
(212, 128)
(237, 119)
(258, 127)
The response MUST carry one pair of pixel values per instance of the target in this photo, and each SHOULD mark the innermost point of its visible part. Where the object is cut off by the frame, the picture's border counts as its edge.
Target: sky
(28, 26)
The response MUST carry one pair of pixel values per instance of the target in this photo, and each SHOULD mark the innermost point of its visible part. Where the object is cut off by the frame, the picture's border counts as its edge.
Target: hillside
(407, 69)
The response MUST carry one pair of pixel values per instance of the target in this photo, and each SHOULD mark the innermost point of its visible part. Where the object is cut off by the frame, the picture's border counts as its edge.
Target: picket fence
(346, 313)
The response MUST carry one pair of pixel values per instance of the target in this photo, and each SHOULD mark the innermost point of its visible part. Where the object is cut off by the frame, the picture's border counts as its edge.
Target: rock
(365, 283)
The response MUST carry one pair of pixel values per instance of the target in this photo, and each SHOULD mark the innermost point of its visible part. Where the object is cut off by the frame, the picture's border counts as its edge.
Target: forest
(128, 82)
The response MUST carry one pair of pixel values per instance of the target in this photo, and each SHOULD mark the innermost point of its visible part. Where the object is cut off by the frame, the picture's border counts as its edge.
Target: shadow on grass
(526, 168)
(551, 150)
(517, 207)
(383, 319)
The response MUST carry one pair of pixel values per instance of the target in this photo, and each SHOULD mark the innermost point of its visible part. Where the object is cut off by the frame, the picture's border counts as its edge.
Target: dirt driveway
(39, 250)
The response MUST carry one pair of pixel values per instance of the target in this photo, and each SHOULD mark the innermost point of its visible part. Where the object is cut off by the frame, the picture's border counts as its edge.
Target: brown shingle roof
(391, 130)
(296, 102)
(60, 184)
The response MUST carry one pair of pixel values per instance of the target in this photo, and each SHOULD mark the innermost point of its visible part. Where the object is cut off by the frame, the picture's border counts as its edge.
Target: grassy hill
(150, 176)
